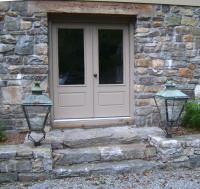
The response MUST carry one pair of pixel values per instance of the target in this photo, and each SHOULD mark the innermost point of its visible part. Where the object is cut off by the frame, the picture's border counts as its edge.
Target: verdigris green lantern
(170, 103)
(36, 108)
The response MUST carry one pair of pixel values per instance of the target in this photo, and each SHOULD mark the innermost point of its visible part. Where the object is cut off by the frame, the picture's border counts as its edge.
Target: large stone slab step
(105, 168)
(76, 138)
(103, 154)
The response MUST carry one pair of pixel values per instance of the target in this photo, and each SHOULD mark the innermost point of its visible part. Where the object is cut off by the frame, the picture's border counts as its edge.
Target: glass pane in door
(110, 56)
(71, 56)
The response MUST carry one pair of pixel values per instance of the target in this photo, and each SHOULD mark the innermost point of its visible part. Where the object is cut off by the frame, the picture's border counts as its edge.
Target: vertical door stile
(95, 65)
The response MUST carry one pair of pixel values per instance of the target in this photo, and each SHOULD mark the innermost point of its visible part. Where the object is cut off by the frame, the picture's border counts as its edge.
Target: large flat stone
(105, 168)
(76, 138)
(8, 177)
(7, 151)
(103, 153)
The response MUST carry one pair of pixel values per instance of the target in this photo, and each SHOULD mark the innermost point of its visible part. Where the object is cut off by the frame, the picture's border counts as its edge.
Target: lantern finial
(36, 89)
(170, 84)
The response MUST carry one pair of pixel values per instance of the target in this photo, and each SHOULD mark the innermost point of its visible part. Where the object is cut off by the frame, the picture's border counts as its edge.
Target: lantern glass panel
(36, 116)
(174, 108)
(170, 109)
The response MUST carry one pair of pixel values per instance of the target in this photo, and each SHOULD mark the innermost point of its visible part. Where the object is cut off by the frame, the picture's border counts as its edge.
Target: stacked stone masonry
(167, 46)
(180, 151)
(27, 163)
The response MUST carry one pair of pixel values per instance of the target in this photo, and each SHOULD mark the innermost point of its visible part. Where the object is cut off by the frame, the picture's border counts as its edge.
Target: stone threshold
(82, 137)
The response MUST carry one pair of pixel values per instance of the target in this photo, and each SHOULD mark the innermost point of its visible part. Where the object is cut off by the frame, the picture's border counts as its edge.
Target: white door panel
(72, 100)
(111, 99)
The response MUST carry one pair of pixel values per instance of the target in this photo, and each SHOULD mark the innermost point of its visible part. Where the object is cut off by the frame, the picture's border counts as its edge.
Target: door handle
(95, 75)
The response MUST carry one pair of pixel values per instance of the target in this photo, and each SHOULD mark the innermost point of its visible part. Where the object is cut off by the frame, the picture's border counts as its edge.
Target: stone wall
(23, 58)
(182, 150)
(166, 47)
(25, 163)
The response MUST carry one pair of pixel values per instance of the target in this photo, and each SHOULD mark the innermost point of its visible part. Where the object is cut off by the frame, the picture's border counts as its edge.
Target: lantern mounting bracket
(36, 143)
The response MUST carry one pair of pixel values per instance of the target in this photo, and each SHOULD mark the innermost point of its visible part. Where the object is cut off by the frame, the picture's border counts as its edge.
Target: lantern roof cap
(171, 92)
(37, 98)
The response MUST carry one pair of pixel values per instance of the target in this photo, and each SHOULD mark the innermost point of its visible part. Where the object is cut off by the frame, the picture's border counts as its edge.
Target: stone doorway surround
(120, 12)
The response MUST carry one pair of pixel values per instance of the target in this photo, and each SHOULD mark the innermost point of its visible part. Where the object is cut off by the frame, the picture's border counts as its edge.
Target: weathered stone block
(24, 166)
(146, 80)
(186, 11)
(7, 151)
(41, 49)
(4, 6)
(188, 38)
(170, 144)
(24, 151)
(185, 72)
(8, 39)
(25, 25)
(189, 21)
(191, 66)
(143, 111)
(193, 143)
(41, 39)
(181, 159)
(34, 60)
(142, 30)
(14, 60)
(11, 23)
(43, 152)
(189, 46)
(48, 164)
(3, 69)
(195, 31)
(197, 42)
(30, 177)
(12, 95)
(8, 177)
(6, 48)
(13, 69)
(158, 63)
(150, 152)
(188, 151)
(19, 6)
(37, 165)
(173, 20)
(143, 62)
(74, 156)
(8, 166)
(24, 45)
(183, 30)
(35, 69)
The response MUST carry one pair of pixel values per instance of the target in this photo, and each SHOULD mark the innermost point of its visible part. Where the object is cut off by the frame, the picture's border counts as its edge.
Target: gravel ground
(171, 179)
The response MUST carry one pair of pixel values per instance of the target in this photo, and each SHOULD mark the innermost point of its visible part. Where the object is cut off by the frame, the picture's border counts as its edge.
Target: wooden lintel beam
(89, 7)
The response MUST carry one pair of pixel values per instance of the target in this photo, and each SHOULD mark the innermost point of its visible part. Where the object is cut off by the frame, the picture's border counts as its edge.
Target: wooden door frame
(94, 122)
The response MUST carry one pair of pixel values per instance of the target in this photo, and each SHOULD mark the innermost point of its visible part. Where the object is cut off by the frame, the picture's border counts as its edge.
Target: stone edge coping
(176, 142)
(25, 151)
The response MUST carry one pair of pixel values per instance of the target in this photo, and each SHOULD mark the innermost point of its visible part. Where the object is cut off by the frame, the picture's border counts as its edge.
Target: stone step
(103, 154)
(105, 168)
(76, 138)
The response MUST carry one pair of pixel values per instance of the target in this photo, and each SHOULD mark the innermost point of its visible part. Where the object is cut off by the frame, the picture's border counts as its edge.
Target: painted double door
(90, 71)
